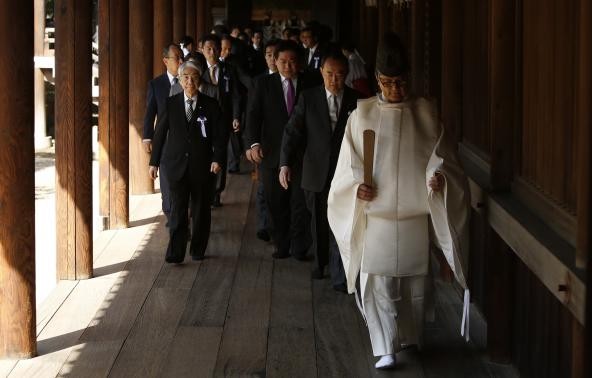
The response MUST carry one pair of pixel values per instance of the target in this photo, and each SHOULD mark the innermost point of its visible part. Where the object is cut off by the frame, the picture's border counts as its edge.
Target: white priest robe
(389, 236)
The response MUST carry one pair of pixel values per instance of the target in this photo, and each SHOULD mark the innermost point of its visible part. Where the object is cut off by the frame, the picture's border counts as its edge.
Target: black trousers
(165, 191)
(287, 209)
(235, 151)
(262, 212)
(324, 246)
(195, 184)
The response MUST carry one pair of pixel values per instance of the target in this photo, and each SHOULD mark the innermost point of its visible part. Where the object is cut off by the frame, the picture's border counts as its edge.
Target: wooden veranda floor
(237, 313)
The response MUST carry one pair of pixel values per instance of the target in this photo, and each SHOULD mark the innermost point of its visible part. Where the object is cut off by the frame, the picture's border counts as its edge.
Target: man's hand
(147, 146)
(436, 182)
(256, 154)
(366, 192)
(153, 172)
(285, 176)
(249, 155)
(215, 167)
(236, 125)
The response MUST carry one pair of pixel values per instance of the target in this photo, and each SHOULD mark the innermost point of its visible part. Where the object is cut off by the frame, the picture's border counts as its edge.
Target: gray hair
(190, 64)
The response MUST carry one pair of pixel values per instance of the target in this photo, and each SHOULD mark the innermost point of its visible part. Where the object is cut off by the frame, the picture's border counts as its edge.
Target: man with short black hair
(309, 37)
(159, 89)
(271, 104)
(223, 87)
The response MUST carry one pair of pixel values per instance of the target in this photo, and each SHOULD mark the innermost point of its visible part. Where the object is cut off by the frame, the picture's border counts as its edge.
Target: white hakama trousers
(394, 311)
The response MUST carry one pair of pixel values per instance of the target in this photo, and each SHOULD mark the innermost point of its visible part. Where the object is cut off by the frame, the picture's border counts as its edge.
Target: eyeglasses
(399, 83)
(173, 57)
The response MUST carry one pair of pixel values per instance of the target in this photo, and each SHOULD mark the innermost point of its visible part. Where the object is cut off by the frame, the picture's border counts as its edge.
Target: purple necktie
(290, 97)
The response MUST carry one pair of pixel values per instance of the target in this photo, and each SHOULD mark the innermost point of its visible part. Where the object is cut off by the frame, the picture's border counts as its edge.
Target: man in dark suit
(189, 143)
(271, 103)
(224, 88)
(159, 89)
(317, 126)
(309, 36)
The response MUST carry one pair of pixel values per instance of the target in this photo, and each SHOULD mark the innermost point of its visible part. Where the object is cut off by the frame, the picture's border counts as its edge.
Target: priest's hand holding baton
(366, 191)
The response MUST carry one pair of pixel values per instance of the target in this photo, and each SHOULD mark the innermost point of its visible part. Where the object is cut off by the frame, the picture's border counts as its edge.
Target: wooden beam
(17, 184)
(114, 113)
(73, 138)
(179, 8)
(163, 32)
(561, 281)
(141, 44)
(191, 20)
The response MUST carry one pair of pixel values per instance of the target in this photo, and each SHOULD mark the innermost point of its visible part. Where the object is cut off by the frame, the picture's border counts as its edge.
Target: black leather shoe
(263, 235)
(302, 257)
(341, 288)
(216, 202)
(317, 274)
(170, 260)
(197, 258)
(280, 255)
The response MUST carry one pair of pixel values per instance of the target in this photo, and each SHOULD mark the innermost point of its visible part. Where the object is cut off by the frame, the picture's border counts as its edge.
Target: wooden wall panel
(542, 328)
(548, 99)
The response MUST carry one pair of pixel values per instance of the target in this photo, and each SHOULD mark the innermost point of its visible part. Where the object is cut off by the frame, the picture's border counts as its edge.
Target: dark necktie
(189, 113)
(333, 110)
(174, 86)
(290, 97)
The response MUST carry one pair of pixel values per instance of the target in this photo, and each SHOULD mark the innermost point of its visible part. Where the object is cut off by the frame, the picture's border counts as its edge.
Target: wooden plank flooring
(237, 313)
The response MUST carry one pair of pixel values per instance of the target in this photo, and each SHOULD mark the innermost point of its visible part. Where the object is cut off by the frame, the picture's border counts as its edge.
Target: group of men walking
(287, 107)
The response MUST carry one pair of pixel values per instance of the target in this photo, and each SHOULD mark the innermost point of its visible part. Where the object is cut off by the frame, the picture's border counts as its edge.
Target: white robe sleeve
(449, 211)
(345, 210)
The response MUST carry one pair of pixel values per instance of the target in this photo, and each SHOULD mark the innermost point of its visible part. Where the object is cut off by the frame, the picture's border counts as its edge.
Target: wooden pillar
(41, 139)
(498, 300)
(163, 32)
(417, 46)
(583, 119)
(73, 125)
(502, 72)
(191, 19)
(209, 18)
(17, 183)
(200, 22)
(140, 43)
(451, 99)
(114, 112)
(383, 17)
(179, 8)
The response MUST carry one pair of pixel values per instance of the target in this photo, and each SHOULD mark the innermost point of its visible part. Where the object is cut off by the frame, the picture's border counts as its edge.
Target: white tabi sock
(387, 361)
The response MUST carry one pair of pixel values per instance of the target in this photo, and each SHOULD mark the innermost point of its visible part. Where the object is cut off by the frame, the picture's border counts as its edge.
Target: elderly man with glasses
(382, 226)
(189, 144)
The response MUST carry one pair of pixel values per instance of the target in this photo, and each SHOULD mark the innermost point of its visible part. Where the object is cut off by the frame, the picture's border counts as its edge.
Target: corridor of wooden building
(84, 287)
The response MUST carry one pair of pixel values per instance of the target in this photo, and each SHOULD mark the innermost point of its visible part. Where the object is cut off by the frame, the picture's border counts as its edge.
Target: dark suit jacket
(226, 91)
(310, 127)
(267, 115)
(315, 62)
(179, 144)
(158, 92)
